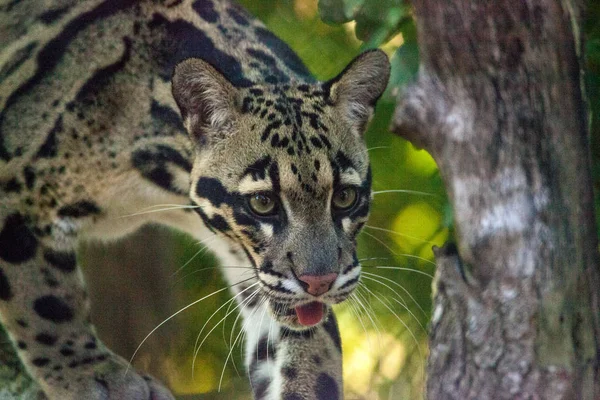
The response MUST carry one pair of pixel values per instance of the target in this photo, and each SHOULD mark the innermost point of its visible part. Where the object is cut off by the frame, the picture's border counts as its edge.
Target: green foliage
(592, 80)
(405, 60)
(326, 50)
(339, 11)
(376, 21)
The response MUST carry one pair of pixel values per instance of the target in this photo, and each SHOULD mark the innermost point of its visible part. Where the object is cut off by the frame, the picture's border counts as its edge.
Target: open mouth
(310, 314)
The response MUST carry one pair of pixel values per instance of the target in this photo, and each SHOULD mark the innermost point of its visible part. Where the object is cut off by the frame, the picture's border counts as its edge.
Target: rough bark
(499, 104)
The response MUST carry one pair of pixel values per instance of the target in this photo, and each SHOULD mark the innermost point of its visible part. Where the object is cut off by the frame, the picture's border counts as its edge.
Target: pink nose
(318, 284)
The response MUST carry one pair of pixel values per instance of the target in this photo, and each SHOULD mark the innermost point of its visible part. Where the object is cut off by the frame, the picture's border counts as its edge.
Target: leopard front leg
(45, 310)
(284, 364)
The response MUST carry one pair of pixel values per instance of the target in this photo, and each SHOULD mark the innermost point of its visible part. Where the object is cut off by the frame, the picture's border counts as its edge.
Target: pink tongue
(310, 314)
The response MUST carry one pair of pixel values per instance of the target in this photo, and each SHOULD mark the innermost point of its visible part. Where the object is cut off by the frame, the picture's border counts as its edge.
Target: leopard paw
(109, 379)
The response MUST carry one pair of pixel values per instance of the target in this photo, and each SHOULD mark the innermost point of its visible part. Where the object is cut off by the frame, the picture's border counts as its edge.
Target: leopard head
(282, 170)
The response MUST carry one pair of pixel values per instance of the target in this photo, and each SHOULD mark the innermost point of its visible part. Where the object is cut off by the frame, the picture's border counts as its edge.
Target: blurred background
(384, 327)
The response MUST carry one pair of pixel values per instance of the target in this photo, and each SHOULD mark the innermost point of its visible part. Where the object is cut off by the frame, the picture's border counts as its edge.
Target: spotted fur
(111, 106)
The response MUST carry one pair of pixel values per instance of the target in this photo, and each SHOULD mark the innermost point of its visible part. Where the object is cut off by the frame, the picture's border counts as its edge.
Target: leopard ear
(356, 90)
(208, 102)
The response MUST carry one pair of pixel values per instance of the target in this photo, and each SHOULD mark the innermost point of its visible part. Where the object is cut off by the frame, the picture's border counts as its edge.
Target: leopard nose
(317, 284)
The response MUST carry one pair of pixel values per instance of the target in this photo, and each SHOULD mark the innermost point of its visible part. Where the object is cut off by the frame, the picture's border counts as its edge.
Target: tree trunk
(499, 104)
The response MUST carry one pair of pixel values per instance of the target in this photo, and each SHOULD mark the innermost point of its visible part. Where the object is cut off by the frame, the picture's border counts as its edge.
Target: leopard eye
(344, 199)
(262, 204)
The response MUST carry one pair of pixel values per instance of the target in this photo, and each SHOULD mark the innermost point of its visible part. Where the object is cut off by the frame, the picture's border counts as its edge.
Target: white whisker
(230, 345)
(259, 330)
(359, 294)
(249, 269)
(373, 258)
(155, 211)
(171, 205)
(370, 276)
(416, 271)
(224, 324)
(378, 147)
(230, 301)
(403, 304)
(257, 343)
(197, 349)
(403, 323)
(177, 313)
(380, 241)
(252, 295)
(262, 301)
(200, 251)
(376, 228)
(269, 336)
(352, 299)
(404, 191)
(227, 359)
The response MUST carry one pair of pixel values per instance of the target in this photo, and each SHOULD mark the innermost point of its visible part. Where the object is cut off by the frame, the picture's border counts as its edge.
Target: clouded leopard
(108, 107)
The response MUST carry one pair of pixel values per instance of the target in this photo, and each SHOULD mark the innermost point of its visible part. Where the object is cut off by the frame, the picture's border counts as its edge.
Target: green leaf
(592, 51)
(448, 220)
(379, 21)
(376, 20)
(405, 65)
(339, 11)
